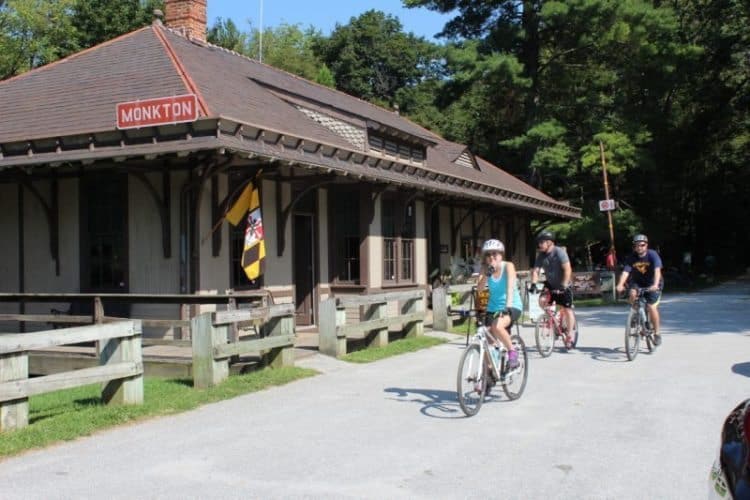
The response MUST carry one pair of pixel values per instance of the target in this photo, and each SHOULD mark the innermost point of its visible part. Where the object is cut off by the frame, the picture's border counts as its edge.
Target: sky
(323, 14)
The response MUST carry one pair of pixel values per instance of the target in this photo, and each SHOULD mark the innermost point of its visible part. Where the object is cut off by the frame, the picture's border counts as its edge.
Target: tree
(372, 58)
(286, 47)
(34, 33)
(225, 33)
(290, 48)
(591, 70)
(96, 21)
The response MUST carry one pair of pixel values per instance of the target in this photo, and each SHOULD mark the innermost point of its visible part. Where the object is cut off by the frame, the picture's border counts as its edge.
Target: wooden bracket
(52, 214)
(287, 212)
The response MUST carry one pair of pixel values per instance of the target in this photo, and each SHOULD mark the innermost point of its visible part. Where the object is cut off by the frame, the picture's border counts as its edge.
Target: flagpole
(260, 47)
(229, 202)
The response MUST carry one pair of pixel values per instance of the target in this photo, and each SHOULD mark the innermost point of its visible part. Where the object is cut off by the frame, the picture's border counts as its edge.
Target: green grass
(392, 349)
(66, 415)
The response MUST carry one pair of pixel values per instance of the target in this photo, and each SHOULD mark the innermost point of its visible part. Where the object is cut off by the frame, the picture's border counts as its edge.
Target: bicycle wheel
(632, 335)
(514, 381)
(472, 380)
(544, 335)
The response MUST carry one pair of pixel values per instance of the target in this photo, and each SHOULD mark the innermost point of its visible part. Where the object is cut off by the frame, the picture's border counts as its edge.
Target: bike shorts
(562, 296)
(491, 317)
(652, 298)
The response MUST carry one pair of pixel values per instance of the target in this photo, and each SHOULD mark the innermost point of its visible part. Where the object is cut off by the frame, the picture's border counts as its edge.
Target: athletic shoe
(513, 359)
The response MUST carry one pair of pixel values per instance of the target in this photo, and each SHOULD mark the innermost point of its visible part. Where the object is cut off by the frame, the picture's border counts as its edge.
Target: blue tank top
(498, 293)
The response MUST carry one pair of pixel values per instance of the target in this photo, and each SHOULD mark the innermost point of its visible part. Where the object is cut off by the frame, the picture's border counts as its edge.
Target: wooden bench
(213, 346)
(334, 330)
(120, 358)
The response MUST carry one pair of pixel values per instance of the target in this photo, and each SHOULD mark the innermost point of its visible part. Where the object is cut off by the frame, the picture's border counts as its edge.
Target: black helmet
(545, 235)
(640, 237)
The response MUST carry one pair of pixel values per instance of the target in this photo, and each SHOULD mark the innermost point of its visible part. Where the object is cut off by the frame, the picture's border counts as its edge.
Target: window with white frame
(398, 226)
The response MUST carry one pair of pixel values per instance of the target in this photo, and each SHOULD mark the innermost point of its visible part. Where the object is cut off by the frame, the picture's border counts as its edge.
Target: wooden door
(304, 268)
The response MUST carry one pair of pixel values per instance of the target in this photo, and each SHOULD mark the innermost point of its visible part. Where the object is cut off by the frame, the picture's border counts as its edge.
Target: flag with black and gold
(254, 250)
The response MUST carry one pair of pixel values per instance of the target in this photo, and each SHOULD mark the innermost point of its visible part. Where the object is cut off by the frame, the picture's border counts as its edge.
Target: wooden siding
(214, 271)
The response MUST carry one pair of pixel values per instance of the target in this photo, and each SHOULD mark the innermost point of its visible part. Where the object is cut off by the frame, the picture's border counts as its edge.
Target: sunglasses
(640, 244)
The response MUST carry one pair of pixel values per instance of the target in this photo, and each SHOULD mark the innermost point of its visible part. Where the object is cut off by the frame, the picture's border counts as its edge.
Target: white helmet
(493, 246)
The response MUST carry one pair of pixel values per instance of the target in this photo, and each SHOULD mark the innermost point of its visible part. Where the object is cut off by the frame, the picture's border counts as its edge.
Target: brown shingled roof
(78, 95)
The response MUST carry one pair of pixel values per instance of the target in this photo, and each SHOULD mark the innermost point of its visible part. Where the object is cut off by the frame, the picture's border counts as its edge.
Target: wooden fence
(120, 358)
(334, 331)
(213, 345)
(97, 304)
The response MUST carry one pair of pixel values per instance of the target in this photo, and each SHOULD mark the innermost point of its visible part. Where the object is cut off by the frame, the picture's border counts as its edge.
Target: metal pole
(606, 196)
(21, 257)
(260, 34)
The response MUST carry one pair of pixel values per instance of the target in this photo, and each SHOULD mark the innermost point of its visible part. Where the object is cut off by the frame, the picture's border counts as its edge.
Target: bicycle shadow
(437, 403)
(742, 368)
(604, 354)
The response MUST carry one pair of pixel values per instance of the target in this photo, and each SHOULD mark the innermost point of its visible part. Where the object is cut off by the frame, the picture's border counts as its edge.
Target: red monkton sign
(160, 111)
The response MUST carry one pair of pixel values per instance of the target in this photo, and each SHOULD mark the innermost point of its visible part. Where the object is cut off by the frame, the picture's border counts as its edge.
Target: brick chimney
(187, 16)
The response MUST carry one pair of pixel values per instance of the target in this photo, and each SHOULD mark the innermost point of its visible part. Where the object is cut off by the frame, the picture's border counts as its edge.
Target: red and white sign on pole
(606, 205)
(160, 111)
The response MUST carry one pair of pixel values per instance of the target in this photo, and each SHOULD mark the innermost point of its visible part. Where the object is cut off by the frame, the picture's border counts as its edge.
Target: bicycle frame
(638, 320)
(555, 318)
(639, 305)
(552, 325)
(483, 333)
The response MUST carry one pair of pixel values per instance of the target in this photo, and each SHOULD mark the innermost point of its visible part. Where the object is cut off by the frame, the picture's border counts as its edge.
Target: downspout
(21, 263)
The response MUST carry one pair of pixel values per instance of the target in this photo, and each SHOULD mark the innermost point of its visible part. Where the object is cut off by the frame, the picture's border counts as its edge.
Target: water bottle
(495, 352)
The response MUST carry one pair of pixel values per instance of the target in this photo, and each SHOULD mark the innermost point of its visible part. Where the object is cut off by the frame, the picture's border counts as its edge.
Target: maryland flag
(254, 252)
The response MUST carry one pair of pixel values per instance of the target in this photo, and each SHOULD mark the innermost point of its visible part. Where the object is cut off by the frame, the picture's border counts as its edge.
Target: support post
(279, 356)
(609, 212)
(127, 391)
(207, 371)
(377, 338)
(14, 414)
(331, 317)
(415, 329)
(439, 309)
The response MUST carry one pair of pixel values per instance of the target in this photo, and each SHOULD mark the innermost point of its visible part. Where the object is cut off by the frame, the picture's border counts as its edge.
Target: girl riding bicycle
(504, 305)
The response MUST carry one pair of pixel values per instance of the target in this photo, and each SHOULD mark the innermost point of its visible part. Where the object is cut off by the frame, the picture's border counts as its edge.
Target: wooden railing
(120, 359)
(213, 345)
(97, 304)
(374, 328)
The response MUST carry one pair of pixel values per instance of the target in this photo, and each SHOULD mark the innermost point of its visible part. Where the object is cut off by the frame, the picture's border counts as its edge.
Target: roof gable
(79, 94)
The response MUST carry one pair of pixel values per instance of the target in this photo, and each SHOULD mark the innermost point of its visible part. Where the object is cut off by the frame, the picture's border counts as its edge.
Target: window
(396, 148)
(104, 243)
(398, 239)
(346, 235)
(237, 277)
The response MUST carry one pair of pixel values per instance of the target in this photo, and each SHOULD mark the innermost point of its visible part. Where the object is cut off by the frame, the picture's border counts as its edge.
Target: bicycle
(479, 370)
(551, 326)
(638, 326)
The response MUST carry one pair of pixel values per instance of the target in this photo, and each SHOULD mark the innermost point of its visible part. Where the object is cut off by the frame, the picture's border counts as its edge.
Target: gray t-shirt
(552, 264)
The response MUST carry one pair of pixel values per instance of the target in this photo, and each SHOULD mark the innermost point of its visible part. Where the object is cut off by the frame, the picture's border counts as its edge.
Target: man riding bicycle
(558, 274)
(504, 305)
(642, 270)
